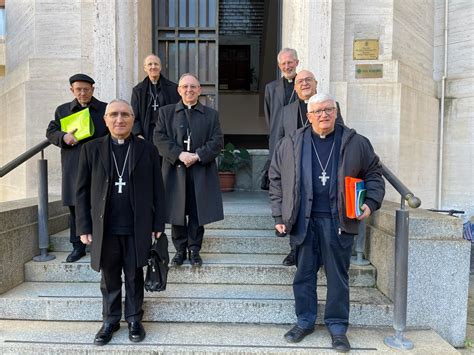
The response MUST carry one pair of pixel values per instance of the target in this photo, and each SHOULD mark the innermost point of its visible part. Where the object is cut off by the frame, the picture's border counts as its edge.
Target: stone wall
(19, 236)
(438, 269)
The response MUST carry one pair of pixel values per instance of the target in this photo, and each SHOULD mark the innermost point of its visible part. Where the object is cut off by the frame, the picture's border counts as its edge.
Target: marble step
(37, 337)
(215, 241)
(217, 269)
(187, 303)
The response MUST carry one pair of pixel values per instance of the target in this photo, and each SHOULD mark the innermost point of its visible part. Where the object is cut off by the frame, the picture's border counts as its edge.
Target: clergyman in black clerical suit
(120, 207)
(189, 139)
(148, 96)
(82, 87)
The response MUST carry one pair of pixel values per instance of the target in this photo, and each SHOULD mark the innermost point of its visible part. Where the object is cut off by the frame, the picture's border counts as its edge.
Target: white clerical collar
(306, 101)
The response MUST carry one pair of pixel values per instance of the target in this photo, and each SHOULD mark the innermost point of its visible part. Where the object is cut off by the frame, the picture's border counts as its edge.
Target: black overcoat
(94, 183)
(142, 104)
(274, 102)
(207, 142)
(70, 154)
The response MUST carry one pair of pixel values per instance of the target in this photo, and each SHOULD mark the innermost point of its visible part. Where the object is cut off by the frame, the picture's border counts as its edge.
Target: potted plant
(230, 160)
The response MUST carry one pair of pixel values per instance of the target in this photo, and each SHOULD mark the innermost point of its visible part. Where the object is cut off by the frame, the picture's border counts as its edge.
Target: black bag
(265, 183)
(157, 269)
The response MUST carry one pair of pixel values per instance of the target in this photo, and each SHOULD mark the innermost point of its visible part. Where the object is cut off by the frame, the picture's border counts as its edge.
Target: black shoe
(340, 343)
(76, 254)
(105, 333)
(296, 334)
(290, 259)
(195, 258)
(136, 332)
(179, 258)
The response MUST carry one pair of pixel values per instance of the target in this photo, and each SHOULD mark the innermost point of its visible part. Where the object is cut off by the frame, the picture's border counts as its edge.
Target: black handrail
(4, 170)
(43, 236)
(407, 195)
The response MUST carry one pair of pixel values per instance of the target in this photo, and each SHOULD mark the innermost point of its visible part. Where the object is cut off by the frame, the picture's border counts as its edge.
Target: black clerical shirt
(289, 91)
(321, 205)
(302, 111)
(119, 209)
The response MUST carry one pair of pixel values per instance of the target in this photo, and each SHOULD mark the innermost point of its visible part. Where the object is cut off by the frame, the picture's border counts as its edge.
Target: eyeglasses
(304, 80)
(327, 111)
(117, 114)
(84, 90)
(186, 87)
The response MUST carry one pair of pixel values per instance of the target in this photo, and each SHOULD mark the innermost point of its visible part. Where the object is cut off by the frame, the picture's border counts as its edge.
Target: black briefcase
(157, 269)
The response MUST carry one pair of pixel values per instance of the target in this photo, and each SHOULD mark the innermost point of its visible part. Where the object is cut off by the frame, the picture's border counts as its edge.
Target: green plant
(232, 159)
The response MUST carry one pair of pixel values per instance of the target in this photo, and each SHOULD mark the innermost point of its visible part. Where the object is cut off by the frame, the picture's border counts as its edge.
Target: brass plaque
(366, 49)
(368, 71)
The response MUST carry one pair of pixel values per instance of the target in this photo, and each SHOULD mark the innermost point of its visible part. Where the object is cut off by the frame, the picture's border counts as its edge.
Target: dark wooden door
(186, 40)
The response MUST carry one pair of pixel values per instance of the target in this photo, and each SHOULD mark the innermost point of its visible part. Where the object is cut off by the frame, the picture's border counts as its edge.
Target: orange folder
(353, 186)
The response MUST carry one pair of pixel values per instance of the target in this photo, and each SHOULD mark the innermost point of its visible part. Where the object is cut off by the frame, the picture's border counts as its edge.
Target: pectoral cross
(188, 143)
(155, 105)
(120, 183)
(323, 178)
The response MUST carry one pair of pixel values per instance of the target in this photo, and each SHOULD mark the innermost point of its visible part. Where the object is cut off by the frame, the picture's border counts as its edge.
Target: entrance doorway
(231, 45)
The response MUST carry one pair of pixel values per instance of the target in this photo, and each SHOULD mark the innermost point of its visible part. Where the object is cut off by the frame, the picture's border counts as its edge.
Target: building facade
(386, 62)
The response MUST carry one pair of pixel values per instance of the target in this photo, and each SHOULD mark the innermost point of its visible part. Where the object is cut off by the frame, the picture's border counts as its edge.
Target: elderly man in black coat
(148, 96)
(82, 87)
(120, 208)
(189, 139)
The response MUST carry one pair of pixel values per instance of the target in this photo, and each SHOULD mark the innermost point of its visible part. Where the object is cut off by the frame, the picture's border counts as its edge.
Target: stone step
(33, 337)
(243, 241)
(187, 303)
(253, 269)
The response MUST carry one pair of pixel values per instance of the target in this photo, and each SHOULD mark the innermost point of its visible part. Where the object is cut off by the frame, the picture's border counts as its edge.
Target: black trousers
(73, 237)
(323, 246)
(118, 253)
(190, 235)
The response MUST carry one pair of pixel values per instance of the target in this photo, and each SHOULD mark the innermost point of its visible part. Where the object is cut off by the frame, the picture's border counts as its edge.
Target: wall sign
(366, 49)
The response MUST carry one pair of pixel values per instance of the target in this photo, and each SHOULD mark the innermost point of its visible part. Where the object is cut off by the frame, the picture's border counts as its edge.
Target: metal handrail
(43, 236)
(402, 218)
(4, 170)
(407, 195)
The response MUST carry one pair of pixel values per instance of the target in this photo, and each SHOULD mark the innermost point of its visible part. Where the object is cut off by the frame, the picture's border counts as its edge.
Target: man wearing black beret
(82, 88)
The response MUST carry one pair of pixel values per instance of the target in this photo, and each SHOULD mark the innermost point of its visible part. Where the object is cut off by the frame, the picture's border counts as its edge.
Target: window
(234, 67)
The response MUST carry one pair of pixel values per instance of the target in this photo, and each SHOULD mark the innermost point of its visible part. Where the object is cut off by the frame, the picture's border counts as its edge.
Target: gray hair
(120, 101)
(319, 98)
(287, 50)
(189, 74)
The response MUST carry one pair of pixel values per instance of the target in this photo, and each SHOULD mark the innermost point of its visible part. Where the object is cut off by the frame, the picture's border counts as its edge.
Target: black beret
(81, 77)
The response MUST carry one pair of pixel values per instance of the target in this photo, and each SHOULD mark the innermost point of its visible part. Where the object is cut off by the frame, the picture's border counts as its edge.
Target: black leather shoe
(76, 254)
(296, 334)
(105, 333)
(194, 258)
(136, 332)
(179, 258)
(290, 259)
(340, 343)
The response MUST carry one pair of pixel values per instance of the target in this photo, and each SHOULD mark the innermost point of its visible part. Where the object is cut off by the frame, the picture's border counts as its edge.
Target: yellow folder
(80, 120)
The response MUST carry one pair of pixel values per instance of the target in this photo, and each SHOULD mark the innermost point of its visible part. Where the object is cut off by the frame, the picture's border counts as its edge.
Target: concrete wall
(458, 154)
(19, 236)
(438, 269)
(47, 42)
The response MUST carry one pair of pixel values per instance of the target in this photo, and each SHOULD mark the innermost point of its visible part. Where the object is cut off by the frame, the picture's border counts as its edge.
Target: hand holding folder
(355, 196)
(79, 123)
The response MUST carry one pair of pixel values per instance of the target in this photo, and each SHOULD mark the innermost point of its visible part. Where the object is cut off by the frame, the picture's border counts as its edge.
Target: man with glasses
(148, 96)
(307, 194)
(120, 208)
(189, 138)
(294, 117)
(82, 88)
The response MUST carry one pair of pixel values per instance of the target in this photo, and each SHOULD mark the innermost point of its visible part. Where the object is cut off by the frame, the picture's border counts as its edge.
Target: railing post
(401, 281)
(43, 235)
(359, 247)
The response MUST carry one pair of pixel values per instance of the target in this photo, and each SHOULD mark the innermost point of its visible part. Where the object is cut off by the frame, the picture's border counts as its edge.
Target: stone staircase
(240, 300)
